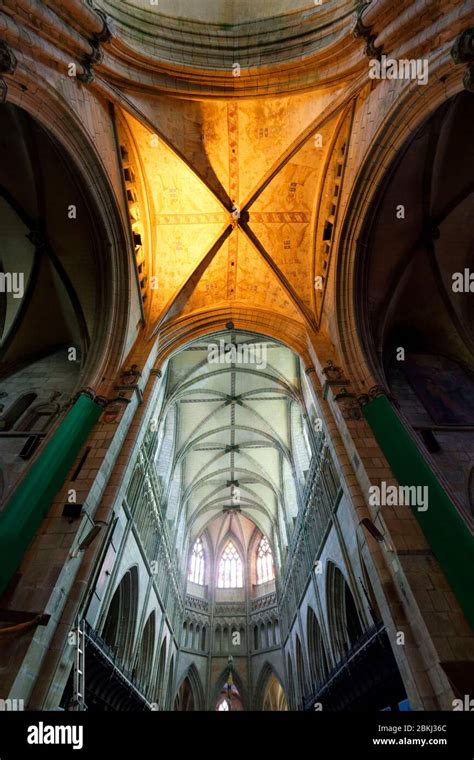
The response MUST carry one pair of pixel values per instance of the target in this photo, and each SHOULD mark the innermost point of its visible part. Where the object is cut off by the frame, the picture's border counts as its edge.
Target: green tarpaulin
(30, 502)
(444, 529)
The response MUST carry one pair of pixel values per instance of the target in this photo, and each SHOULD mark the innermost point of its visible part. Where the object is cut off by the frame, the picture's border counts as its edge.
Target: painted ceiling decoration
(234, 213)
(252, 225)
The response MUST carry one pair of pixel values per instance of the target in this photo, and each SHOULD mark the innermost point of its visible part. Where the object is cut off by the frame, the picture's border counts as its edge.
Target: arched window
(196, 565)
(223, 706)
(265, 570)
(230, 568)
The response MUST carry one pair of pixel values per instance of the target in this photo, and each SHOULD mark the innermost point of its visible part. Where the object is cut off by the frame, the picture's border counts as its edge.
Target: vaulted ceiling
(237, 437)
(433, 182)
(235, 204)
(223, 12)
(154, 41)
(46, 235)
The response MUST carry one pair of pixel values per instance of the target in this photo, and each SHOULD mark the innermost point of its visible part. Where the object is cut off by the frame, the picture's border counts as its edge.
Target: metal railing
(366, 641)
(110, 657)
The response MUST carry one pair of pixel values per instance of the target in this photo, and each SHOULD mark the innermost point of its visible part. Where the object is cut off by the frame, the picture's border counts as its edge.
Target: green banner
(29, 503)
(446, 532)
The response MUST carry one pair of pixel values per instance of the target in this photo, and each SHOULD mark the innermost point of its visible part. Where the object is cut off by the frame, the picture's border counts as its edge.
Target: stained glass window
(265, 570)
(196, 565)
(230, 568)
(223, 706)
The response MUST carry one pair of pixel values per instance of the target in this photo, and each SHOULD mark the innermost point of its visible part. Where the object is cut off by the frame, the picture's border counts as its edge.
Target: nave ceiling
(231, 437)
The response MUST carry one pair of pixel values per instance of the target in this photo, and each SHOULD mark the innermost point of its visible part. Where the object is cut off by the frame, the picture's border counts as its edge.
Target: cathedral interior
(236, 355)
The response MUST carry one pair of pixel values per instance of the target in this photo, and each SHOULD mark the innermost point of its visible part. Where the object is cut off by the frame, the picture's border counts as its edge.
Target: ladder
(78, 701)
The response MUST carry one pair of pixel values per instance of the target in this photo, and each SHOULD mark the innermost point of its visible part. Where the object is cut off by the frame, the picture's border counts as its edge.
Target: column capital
(8, 61)
(463, 48)
(463, 52)
(373, 393)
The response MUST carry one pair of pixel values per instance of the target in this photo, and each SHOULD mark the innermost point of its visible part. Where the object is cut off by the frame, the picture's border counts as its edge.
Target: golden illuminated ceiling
(237, 202)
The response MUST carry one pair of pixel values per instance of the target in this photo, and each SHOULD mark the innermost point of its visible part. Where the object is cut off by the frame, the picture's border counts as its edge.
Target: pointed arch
(118, 630)
(291, 690)
(160, 677)
(265, 568)
(230, 570)
(238, 683)
(269, 692)
(190, 693)
(197, 563)
(145, 656)
(170, 687)
(345, 627)
(317, 655)
(300, 671)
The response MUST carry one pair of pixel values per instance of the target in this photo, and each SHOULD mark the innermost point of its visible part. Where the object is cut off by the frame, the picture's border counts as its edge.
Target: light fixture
(89, 538)
(375, 533)
(373, 530)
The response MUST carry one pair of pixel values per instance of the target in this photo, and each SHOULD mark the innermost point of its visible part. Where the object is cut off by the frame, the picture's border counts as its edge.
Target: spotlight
(89, 538)
(373, 530)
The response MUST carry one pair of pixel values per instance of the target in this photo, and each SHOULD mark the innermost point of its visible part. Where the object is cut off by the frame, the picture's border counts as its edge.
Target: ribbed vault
(246, 223)
(239, 448)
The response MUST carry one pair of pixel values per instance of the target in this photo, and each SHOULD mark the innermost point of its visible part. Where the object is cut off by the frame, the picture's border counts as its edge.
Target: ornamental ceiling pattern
(237, 202)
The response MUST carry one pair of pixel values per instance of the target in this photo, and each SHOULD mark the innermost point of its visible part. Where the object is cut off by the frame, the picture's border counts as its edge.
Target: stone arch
(218, 637)
(146, 652)
(366, 582)
(255, 638)
(208, 556)
(219, 685)
(185, 633)
(190, 638)
(401, 122)
(264, 683)
(170, 685)
(292, 687)
(345, 627)
(276, 631)
(300, 671)
(118, 629)
(231, 536)
(49, 110)
(160, 676)
(317, 656)
(253, 548)
(190, 693)
(261, 323)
